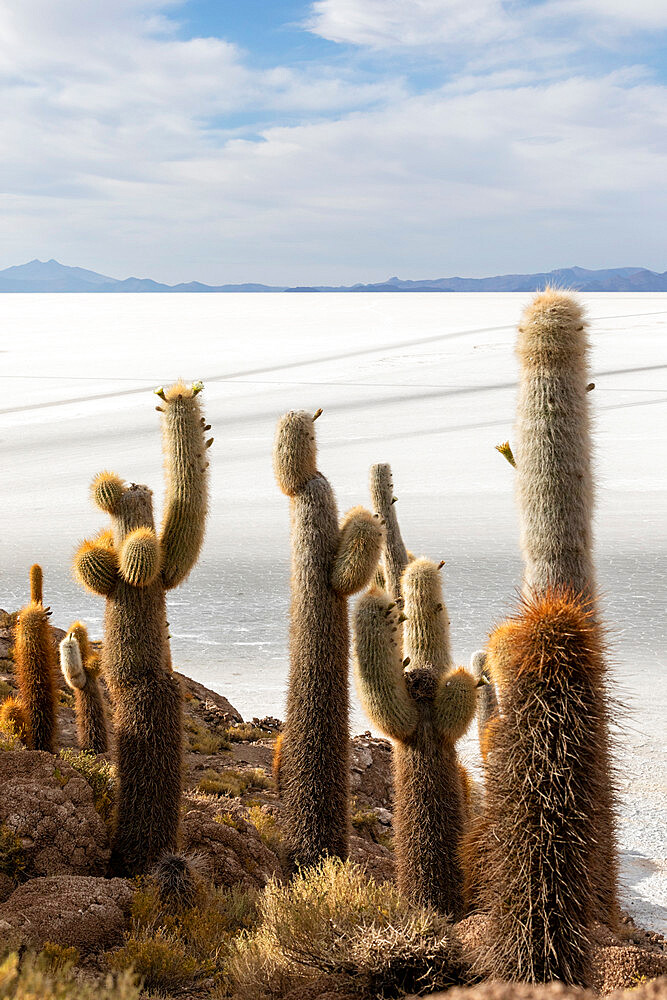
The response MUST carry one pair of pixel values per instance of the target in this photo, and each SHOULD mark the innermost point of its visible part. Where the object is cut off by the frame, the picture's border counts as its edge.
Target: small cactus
(424, 705)
(13, 719)
(133, 566)
(80, 668)
(329, 563)
(177, 879)
(35, 659)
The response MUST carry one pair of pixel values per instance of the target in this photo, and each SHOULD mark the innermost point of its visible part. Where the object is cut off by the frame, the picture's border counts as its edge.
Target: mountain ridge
(52, 276)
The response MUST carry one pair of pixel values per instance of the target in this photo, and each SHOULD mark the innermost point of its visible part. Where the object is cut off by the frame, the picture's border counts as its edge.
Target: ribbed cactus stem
(424, 706)
(538, 834)
(329, 562)
(80, 668)
(36, 584)
(34, 657)
(383, 502)
(133, 567)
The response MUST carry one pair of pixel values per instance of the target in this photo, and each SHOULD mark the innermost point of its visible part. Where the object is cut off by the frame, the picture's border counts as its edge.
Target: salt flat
(423, 381)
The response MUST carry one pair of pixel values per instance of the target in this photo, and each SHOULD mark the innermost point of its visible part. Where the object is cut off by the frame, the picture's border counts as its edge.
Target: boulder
(228, 843)
(371, 779)
(70, 910)
(50, 807)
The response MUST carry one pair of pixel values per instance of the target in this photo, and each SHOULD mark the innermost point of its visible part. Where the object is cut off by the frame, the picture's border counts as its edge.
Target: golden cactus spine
(556, 495)
(424, 705)
(80, 667)
(329, 563)
(35, 661)
(395, 555)
(537, 879)
(133, 567)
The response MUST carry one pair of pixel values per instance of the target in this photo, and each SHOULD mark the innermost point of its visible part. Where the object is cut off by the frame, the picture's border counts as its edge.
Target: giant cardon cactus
(413, 693)
(395, 556)
(133, 566)
(555, 495)
(533, 853)
(80, 666)
(330, 562)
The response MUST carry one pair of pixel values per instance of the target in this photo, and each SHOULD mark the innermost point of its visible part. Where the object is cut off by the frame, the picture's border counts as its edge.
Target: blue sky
(333, 141)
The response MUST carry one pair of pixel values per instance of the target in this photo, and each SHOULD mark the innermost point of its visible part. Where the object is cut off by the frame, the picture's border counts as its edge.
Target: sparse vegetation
(267, 827)
(49, 976)
(247, 731)
(173, 948)
(333, 920)
(12, 855)
(100, 775)
(201, 739)
(233, 782)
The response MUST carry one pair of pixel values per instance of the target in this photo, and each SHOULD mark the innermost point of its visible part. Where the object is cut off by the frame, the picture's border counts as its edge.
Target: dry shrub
(334, 921)
(174, 948)
(267, 827)
(201, 739)
(233, 782)
(100, 775)
(50, 977)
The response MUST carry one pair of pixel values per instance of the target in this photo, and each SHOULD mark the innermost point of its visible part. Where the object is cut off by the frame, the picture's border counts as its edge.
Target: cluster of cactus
(133, 567)
(330, 562)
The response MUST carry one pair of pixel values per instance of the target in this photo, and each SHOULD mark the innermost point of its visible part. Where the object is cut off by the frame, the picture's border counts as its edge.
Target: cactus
(424, 705)
(329, 563)
(177, 877)
(13, 719)
(35, 659)
(487, 701)
(395, 556)
(133, 568)
(80, 668)
(555, 494)
(537, 839)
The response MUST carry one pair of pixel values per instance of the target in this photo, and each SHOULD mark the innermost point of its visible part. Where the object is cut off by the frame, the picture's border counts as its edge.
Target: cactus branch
(382, 500)
(359, 549)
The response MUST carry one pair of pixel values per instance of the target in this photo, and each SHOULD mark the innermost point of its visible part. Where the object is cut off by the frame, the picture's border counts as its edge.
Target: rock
(7, 886)
(88, 913)
(384, 816)
(224, 710)
(228, 843)
(50, 807)
(371, 771)
(378, 861)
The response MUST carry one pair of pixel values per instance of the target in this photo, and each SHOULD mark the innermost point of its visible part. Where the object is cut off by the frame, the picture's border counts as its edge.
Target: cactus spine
(537, 841)
(133, 568)
(555, 494)
(35, 659)
(329, 563)
(395, 555)
(80, 668)
(424, 705)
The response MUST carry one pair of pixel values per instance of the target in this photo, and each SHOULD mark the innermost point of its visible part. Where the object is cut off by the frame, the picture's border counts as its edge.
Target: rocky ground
(54, 832)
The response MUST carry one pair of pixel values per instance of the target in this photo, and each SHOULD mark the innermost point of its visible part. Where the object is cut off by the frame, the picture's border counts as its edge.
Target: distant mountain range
(51, 276)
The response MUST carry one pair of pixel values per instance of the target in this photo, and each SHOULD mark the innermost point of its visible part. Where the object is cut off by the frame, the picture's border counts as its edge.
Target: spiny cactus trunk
(315, 754)
(428, 820)
(148, 727)
(35, 660)
(91, 717)
(537, 838)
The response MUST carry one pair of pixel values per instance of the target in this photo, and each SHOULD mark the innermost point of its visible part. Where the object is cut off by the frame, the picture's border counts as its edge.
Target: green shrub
(34, 977)
(99, 774)
(200, 739)
(334, 921)
(9, 738)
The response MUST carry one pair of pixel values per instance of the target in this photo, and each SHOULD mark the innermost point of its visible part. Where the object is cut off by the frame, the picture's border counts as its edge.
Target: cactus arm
(487, 701)
(36, 584)
(140, 557)
(185, 444)
(71, 664)
(383, 501)
(359, 549)
(426, 631)
(96, 567)
(455, 703)
(379, 667)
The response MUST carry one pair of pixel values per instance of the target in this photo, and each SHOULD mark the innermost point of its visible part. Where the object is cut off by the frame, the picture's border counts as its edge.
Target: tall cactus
(555, 494)
(487, 700)
(424, 705)
(133, 568)
(395, 555)
(537, 841)
(329, 563)
(80, 667)
(35, 660)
